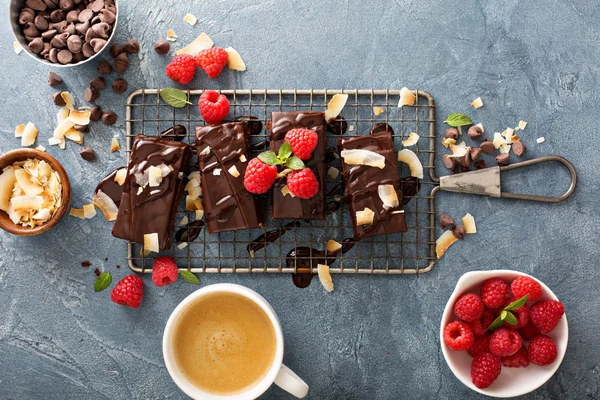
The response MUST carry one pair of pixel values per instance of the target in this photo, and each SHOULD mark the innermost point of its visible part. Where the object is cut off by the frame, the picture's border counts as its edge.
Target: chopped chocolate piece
(338, 126)
(502, 159)
(115, 50)
(362, 186)
(98, 83)
(162, 46)
(90, 94)
(104, 67)
(82, 128)
(446, 221)
(95, 113)
(58, 100)
(119, 86)
(518, 148)
(54, 79)
(131, 46)
(487, 147)
(474, 132)
(449, 162)
(295, 207)
(109, 118)
(177, 132)
(111, 188)
(121, 63)
(87, 153)
(475, 153)
(480, 164)
(459, 231)
(254, 124)
(97, 272)
(381, 127)
(227, 204)
(451, 133)
(465, 160)
(464, 168)
(153, 209)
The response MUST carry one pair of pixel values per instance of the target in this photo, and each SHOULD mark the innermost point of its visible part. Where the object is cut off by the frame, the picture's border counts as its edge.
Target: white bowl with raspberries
(503, 333)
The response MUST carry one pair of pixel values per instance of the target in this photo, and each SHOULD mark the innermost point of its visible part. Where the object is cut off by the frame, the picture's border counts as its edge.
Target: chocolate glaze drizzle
(253, 123)
(189, 232)
(111, 188)
(270, 236)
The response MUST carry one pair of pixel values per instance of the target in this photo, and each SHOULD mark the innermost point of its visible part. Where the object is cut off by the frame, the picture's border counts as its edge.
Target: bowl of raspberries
(503, 333)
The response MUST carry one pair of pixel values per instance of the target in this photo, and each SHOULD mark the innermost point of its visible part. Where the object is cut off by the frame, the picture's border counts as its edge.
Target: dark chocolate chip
(95, 113)
(337, 126)
(518, 148)
(107, 16)
(65, 56)
(451, 133)
(446, 221)
(66, 5)
(85, 15)
(449, 162)
(36, 45)
(480, 164)
(73, 16)
(465, 160)
(104, 67)
(487, 147)
(49, 34)
(57, 15)
(53, 55)
(475, 153)
(87, 50)
(60, 41)
(502, 159)
(131, 46)
(54, 79)
(177, 133)
(162, 46)
(109, 118)
(253, 124)
(98, 83)
(82, 128)
(121, 63)
(41, 23)
(30, 30)
(74, 44)
(100, 30)
(474, 132)
(97, 44)
(96, 5)
(87, 153)
(115, 50)
(37, 5)
(58, 100)
(459, 231)
(90, 94)
(27, 15)
(119, 86)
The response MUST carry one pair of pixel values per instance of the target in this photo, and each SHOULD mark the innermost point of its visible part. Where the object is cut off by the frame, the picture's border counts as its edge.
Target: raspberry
(481, 324)
(458, 336)
(129, 291)
(213, 106)
(525, 285)
(505, 342)
(485, 368)
(259, 177)
(182, 69)
(546, 314)
(494, 292)
(468, 307)
(212, 61)
(529, 331)
(481, 344)
(303, 142)
(517, 360)
(542, 350)
(302, 183)
(164, 271)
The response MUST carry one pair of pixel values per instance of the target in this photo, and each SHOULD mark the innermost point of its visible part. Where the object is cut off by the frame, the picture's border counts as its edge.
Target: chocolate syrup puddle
(410, 187)
(338, 126)
(270, 236)
(190, 232)
(336, 189)
(381, 127)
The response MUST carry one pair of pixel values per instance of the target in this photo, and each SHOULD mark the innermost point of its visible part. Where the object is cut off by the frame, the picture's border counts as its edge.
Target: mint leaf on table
(268, 157)
(294, 163)
(174, 97)
(190, 277)
(517, 304)
(457, 120)
(102, 281)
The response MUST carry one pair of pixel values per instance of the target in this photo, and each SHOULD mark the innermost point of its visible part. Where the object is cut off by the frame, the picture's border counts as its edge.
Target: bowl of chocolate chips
(63, 33)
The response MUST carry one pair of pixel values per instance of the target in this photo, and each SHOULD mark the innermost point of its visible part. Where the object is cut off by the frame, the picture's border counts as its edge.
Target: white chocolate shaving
(151, 242)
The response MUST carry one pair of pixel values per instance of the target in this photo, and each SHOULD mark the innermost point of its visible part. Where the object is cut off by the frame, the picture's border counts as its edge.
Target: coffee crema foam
(224, 343)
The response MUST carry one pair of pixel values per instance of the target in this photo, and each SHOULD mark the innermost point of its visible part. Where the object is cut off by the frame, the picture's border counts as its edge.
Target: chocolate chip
(518, 148)
(27, 15)
(60, 25)
(87, 153)
(74, 43)
(115, 50)
(60, 41)
(451, 133)
(37, 5)
(41, 23)
(31, 30)
(459, 231)
(475, 153)
(474, 132)
(502, 159)
(82, 28)
(46, 49)
(487, 147)
(95, 113)
(82, 128)
(49, 34)
(131, 46)
(449, 162)
(36, 45)
(107, 16)
(65, 56)
(119, 86)
(446, 221)
(98, 83)
(73, 16)
(97, 44)
(54, 79)
(162, 46)
(53, 55)
(70, 29)
(85, 15)
(57, 15)
(109, 118)
(465, 160)
(121, 63)
(66, 5)
(96, 5)
(100, 30)
(78, 57)
(104, 67)
(87, 50)
(58, 100)
(480, 164)
(90, 94)
(50, 4)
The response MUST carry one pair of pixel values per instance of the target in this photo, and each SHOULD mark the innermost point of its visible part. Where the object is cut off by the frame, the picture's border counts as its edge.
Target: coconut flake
(172, 37)
(233, 171)
(199, 215)
(43, 215)
(74, 135)
(63, 113)
(508, 134)
(377, 111)
(325, 277)
(458, 150)
(444, 242)
(120, 176)
(285, 191)
(7, 184)
(412, 139)
(407, 97)
(193, 183)
(504, 148)
(202, 42)
(189, 203)
(63, 127)
(540, 139)
(469, 223)
(217, 171)
(365, 217)
(335, 106)
(182, 246)
(26, 203)
(106, 205)
(447, 142)
(89, 211)
(407, 156)
(480, 126)
(154, 176)
(477, 103)
(333, 172)
(190, 19)
(30, 132)
(69, 100)
(40, 148)
(17, 47)
(194, 175)
(522, 125)
(151, 242)
(77, 212)
(114, 145)
(388, 195)
(19, 130)
(24, 181)
(243, 158)
(363, 157)
(333, 247)
(235, 61)
(184, 220)
(498, 140)
(351, 128)
(54, 141)
(79, 117)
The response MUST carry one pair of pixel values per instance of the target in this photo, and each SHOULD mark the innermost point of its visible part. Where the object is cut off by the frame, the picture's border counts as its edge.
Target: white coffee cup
(278, 373)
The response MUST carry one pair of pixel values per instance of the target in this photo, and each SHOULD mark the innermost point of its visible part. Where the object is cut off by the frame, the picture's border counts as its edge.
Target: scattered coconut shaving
(151, 243)
(40, 148)
(106, 205)
(499, 140)
(233, 171)
(377, 111)
(199, 215)
(477, 103)
(469, 223)
(285, 191)
(19, 130)
(77, 212)
(189, 203)
(235, 61)
(190, 19)
(388, 195)
(17, 47)
(217, 171)
(171, 36)
(89, 211)
(508, 134)
(335, 106)
(444, 242)
(480, 126)
(412, 139)
(351, 128)
(29, 135)
(79, 117)
(333, 172)
(363, 157)
(504, 148)
(202, 42)
(540, 139)
(182, 246)
(243, 158)
(325, 277)
(447, 142)
(184, 221)
(114, 145)
(120, 176)
(407, 97)
(522, 124)
(69, 100)
(365, 217)
(332, 246)
(407, 156)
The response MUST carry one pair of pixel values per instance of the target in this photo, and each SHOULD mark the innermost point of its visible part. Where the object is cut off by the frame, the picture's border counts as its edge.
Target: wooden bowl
(13, 156)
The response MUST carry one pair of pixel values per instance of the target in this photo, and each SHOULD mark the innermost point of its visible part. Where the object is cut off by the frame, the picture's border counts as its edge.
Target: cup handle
(291, 383)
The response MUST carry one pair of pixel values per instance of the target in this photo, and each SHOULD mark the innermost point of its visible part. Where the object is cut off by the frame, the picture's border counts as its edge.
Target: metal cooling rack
(408, 253)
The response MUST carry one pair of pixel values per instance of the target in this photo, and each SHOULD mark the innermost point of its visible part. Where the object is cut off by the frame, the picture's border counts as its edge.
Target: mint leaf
(510, 318)
(294, 163)
(517, 304)
(102, 281)
(503, 315)
(174, 97)
(456, 120)
(189, 277)
(285, 151)
(268, 157)
(496, 324)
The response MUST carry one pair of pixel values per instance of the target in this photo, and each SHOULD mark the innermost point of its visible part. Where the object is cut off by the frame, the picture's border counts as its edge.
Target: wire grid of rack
(407, 253)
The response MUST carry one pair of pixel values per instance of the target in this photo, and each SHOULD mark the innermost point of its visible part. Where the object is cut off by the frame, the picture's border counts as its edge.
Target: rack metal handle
(486, 181)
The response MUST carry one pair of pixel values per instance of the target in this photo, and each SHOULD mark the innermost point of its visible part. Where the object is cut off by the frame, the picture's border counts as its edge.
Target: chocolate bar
(362, 186)
(284, 207)
(228, 205)
(149, 202)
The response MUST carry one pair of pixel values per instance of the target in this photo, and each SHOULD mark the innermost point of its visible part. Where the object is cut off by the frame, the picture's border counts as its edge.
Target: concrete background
(374, 337)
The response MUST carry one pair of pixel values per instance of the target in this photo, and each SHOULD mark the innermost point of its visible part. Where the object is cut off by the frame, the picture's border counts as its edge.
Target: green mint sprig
(284, 157)
(458, 120)
(102, 281)
(190, 277)
(507, 315)
(174, 97)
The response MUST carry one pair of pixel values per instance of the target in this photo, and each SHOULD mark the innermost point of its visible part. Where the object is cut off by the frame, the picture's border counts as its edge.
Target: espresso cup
(278, 373)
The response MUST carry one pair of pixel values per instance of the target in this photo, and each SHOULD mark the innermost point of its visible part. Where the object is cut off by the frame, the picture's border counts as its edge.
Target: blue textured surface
(374, 337)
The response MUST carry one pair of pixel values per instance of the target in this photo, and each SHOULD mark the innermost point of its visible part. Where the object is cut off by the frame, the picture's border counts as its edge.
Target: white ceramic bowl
(512, 382)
